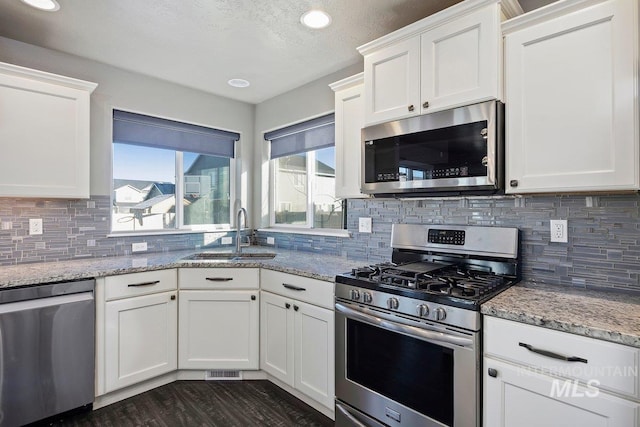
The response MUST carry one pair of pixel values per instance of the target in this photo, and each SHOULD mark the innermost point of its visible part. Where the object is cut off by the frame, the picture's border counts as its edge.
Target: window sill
(168, 232)
(309, 231)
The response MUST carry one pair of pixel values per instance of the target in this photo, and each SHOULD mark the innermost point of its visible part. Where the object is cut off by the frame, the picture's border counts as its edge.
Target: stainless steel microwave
(452, 152)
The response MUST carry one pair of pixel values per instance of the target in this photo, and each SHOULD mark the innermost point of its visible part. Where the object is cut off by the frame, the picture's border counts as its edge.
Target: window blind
(313, 134)
(139, 129)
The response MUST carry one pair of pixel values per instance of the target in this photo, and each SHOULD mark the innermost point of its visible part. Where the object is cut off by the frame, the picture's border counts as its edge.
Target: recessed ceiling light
(316, 19)
(238, 83)
(48, 5)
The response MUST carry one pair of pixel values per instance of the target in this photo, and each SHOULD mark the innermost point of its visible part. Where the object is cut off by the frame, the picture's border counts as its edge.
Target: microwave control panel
(415, 175)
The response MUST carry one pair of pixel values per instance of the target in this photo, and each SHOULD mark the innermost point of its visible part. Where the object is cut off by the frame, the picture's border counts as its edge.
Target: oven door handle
(391, 323)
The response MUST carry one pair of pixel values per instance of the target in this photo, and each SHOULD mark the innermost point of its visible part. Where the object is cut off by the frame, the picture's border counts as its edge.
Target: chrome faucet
(239, 245)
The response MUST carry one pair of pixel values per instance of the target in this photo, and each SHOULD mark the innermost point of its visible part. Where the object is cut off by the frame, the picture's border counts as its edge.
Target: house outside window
(170, 175)
(302, 172)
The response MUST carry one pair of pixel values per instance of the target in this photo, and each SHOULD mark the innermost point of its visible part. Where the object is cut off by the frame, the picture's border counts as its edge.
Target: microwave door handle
(390, 323)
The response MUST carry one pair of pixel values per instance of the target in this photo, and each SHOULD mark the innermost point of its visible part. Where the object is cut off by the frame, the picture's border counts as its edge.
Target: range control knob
(393, 303)
(355, 294)
(440, 313)
(422, 310)
(367, 297)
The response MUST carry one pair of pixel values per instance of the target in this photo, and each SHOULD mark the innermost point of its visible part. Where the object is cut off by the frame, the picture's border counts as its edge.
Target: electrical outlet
(364, 225)
(35, 226)
(226, 240)
(139, 247)
(271, 241)
(558, 229)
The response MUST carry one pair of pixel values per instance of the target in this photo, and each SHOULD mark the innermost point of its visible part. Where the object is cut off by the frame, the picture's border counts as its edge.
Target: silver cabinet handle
(293, 288)
(219, 279)
(135, 285)
(552, 355)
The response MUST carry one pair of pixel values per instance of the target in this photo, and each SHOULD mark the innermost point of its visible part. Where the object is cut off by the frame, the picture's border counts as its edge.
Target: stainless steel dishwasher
(46, 350)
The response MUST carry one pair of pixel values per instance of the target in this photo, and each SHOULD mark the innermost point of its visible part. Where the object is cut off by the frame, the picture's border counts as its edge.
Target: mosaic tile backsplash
(603, 248)
(76, 229)
(604, 233)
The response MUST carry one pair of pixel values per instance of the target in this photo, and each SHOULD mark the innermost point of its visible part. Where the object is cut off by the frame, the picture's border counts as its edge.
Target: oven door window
(412, 372)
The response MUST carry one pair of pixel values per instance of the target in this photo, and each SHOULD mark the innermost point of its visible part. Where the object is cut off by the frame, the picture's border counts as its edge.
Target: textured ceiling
(204, 43)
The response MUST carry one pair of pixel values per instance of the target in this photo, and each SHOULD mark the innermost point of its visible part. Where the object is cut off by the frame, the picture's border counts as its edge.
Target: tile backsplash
(604, 237)
(76, 229)
(603, 248)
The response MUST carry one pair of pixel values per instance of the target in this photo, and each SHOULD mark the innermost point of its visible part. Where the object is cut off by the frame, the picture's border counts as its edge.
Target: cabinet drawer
(613, 366)
(148, 282)
(313, 291)
(219, 278)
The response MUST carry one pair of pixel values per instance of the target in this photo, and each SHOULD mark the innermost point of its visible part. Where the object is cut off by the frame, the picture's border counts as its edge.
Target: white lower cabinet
(297, 338)
(527, 384)
(518, 397)
(219, 318)
(140, 331)
(218, 330)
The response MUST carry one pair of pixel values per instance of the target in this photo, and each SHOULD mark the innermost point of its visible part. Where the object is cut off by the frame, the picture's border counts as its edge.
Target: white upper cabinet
(392, 77)
(44, 129)
(571, 89)
(349, 103)
(448, 59)
(460, 61)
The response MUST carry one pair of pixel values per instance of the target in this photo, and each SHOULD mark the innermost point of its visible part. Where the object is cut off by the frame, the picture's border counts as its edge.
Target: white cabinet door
(460, 61)
(314, 352)
(276, 337)
(392, 77)
(349, 103)
(44, 129)
(517, 397)
(140, 338)
(218, 330)
(571, 100)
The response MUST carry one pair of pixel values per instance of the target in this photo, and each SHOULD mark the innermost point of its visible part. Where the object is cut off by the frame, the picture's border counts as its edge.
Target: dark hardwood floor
(206, 403)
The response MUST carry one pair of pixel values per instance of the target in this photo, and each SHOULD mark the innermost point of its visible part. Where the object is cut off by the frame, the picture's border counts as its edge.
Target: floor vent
(222, 374)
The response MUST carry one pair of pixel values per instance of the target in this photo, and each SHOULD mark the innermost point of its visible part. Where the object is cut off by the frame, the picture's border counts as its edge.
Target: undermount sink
(229, 256)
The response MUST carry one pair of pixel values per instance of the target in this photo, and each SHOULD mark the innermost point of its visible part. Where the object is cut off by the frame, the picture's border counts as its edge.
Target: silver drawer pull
(219, 279)
(135, 285)
(293, 288)
(552, 354)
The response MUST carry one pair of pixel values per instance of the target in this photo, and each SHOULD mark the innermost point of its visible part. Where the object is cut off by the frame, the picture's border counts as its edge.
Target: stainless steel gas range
(408, 347)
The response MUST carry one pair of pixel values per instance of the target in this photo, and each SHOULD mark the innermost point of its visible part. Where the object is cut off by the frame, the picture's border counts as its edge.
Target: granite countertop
(308, 264)
(607, 315)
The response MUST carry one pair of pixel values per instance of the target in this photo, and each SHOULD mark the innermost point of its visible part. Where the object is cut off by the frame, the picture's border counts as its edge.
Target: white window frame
(311, 177)
(179, 191)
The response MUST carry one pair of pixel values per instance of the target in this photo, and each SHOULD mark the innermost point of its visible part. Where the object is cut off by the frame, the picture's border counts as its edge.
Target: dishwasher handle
(39, 303)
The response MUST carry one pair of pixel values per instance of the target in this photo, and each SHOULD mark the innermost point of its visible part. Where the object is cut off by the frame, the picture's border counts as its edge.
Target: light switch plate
(271, 241)
(139, 247)
(364, 225)
(35, 226)
(226, 240)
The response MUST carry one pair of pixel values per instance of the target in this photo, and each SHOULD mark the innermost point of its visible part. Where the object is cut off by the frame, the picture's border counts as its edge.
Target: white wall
(311, 100)
(135, 92)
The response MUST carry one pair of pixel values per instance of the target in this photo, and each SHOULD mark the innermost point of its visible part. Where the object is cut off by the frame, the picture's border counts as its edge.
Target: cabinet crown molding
(425, 24)
(347, 82)
(545, 13)
(45, 77)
